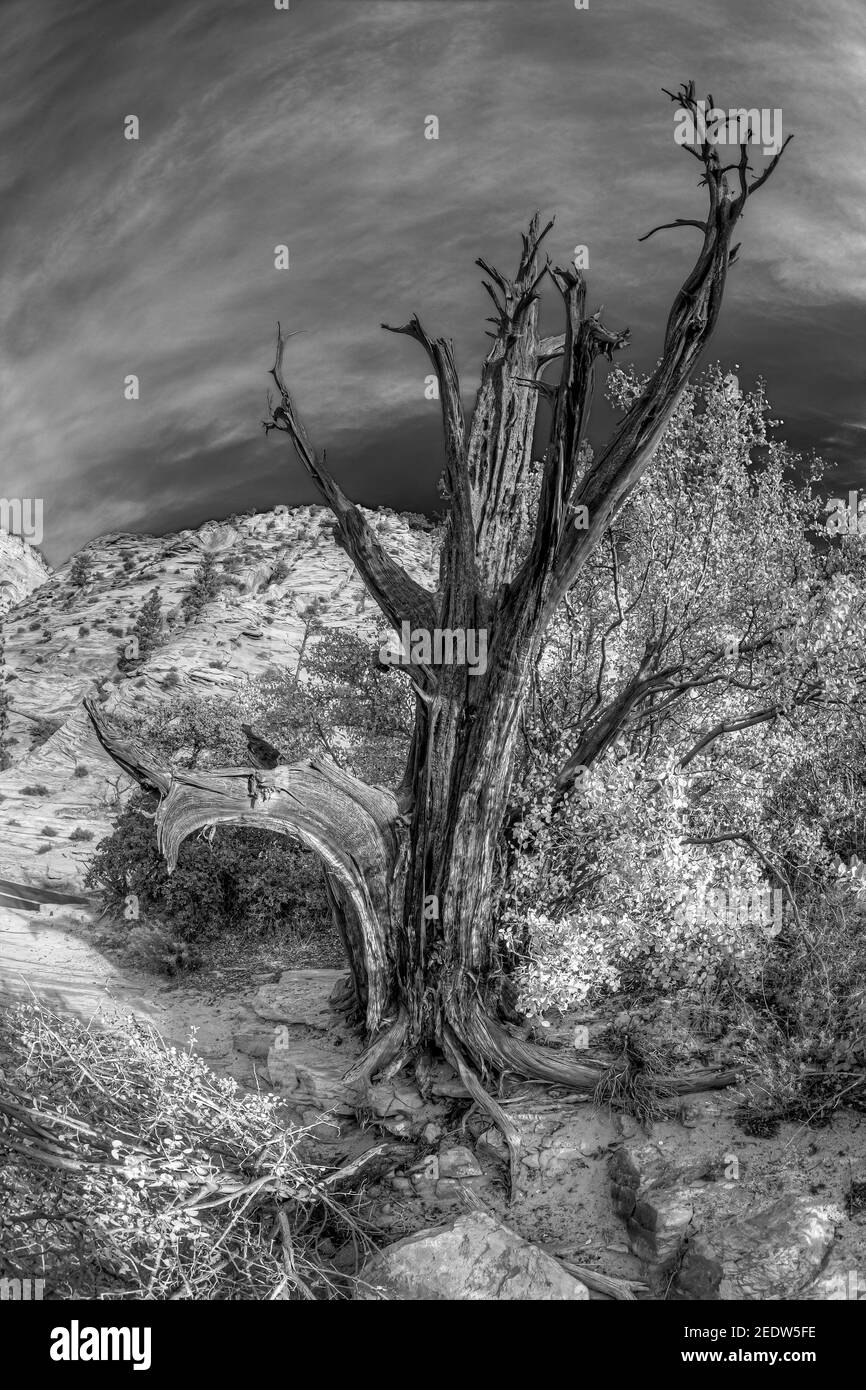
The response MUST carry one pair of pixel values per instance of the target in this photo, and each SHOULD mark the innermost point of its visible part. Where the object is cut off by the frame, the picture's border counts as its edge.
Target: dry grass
(634, 1082)
(129, 1170)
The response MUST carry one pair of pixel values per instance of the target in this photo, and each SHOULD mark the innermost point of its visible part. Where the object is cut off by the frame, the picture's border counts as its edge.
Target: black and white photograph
(432, 673)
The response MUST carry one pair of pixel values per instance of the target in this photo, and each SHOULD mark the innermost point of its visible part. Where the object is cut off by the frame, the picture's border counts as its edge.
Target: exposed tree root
(621, 1289)
(473, 1085)
(385, 1056)
(499, 1047)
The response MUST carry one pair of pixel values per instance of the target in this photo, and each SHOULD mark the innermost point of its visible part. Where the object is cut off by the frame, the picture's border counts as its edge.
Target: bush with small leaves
(49, 831)
(81, 571)
(37, 789)
(153, 946)
(79, 835)
(43, 729)
(243, 881)
(81, 771)
(206, 584)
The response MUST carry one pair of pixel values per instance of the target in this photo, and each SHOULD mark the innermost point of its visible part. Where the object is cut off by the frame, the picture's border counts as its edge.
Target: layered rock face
(63, 635)
(22, 569)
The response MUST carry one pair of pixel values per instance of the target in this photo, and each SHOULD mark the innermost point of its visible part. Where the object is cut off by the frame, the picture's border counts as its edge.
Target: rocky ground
(691, 1205)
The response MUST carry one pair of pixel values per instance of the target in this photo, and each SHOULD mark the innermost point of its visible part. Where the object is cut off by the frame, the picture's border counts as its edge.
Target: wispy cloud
(306, 127)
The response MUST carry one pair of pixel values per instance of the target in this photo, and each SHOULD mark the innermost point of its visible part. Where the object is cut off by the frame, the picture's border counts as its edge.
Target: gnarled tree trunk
(412, 874)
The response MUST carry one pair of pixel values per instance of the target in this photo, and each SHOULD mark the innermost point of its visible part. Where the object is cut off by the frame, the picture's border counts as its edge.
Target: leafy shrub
(49, 830)
(623, 830)
(79, 834)
(246, 881)
(37, 789)
(81, 571)
(43, 729)
(81, 771)
(567, 963)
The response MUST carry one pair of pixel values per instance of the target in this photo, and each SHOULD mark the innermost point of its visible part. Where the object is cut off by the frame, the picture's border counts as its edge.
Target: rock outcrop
(475, 1257)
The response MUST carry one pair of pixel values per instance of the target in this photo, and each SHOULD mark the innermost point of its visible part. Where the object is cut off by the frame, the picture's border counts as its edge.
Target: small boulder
(299, 997)
(255, 1042)
(472, 1257)
(771, 1255)
(491, 1144)
(458, 1163)
(311, 1077)
(837, 1282)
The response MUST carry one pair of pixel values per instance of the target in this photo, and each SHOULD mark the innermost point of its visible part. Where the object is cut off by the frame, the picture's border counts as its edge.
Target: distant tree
(340, 697)
(145, 635)
(148, 624)
(182, 731)
(82, 569)
(206, 585)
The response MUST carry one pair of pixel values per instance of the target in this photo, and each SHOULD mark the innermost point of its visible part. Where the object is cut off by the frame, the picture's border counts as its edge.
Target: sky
(306, 127)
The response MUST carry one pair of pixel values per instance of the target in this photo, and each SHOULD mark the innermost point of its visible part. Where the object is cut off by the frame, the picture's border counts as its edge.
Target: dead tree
(411, 872)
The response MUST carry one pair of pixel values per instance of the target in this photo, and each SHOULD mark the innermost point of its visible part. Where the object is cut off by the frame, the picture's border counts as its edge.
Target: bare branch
(586, 339)
(679, 222)
(690, 326)
(400, 597)
(462, 540)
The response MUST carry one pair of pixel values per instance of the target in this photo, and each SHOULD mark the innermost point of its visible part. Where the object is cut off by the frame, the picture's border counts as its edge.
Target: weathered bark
(430, 978)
